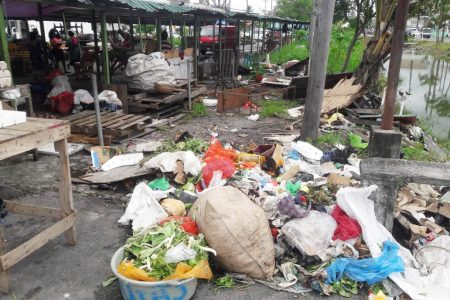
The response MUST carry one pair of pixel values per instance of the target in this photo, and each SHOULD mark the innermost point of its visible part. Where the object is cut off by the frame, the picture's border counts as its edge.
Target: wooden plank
(30, 141)
(138, 96)
(85, 139)
(112, 117)
(65, 187)
(167, 121)
(138, 121)
(5, 276)
(366, 111)
(33, 210)
(14, 256)
(79, 115)
(117, 174)
(127, 119)
(93, 119)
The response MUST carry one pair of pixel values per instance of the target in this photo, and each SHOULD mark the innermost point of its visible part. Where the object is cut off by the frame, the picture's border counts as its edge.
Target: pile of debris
(288, 215)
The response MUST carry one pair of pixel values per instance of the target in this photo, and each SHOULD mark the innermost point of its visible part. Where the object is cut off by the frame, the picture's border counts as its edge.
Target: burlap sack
(238, 230)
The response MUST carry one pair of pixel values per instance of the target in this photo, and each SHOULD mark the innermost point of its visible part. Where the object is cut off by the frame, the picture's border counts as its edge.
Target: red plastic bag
(216, 149)
(215, 163)
(62, 103)
(347, 228)
(187, 223)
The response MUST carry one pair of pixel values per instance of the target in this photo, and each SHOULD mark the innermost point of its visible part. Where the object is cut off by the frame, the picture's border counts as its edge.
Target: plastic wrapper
(311, 234)
(348, 228)
(370, 270)
(218, 163)
(62, 103)
(161, 184)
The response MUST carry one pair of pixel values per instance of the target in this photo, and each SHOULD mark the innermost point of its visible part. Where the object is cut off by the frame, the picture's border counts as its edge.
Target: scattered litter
(254, 117)
(122, 160)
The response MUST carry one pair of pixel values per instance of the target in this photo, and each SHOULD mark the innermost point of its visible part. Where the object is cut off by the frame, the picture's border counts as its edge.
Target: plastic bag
(161, 184)
(370, 270)
(293, 188)
(217, 163)
(287, 207)
(109, 97)
(356, 141)
(179, 253)
(122, 160)
(83, 96)
(216, 149)
(167, 162)
(311, 234)
(62, 103)
(143, 209)
(348, 228)
(307, 150)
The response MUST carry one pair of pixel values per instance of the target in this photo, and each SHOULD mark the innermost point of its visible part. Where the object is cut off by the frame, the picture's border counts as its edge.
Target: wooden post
(105, 53)
(318, 70)
(3, 40)
(5, 278)
(251, 36)
(257, 39)
(140, 34)
(398, 36)
(170, 32)
(130, 24)
(264, 37)
(41, 22)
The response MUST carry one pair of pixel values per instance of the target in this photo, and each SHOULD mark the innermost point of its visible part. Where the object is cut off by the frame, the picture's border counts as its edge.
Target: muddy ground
(58, 271)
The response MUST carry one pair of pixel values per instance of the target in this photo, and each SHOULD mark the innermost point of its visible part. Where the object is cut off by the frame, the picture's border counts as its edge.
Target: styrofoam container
(143, 290)
(12, 117)
(210, 102)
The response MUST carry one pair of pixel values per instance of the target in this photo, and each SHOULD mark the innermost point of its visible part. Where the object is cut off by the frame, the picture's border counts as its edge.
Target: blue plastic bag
(370, 270)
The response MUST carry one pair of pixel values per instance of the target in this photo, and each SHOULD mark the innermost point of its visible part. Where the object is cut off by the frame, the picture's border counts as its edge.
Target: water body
(427, 79)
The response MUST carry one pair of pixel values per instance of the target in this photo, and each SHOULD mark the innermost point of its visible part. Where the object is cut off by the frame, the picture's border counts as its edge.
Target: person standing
(74, 48)
(58, 53)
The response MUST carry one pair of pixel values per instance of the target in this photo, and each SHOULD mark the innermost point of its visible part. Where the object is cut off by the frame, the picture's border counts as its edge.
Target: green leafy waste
(226, 281)
(356, 141)
(191, 144)
(345, 287)
(148, 249)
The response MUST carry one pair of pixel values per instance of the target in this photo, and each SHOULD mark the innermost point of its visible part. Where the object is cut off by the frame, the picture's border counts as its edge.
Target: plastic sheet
(348, 228)
(161, 184)
(370, 270)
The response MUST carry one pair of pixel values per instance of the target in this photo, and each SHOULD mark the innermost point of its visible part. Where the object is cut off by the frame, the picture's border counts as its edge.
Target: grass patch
(331, 139)
(199, 110)
(438, 50)
(340, 39)
(442, 142)
(275, 108)
(417, 153)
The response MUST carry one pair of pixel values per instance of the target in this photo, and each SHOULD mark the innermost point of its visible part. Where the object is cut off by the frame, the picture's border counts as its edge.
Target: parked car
(426, 33)
(209, 36)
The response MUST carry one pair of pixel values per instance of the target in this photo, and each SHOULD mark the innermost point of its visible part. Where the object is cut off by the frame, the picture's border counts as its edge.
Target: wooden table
(21, 138)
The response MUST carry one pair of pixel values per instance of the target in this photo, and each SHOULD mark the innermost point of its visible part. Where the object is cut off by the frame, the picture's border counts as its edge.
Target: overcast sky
(257, 5)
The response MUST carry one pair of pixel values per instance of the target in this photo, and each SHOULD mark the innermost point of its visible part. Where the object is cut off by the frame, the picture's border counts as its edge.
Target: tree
(296, 9)
(364, 15)
(341, 11)
(378, 48)
(223, 4)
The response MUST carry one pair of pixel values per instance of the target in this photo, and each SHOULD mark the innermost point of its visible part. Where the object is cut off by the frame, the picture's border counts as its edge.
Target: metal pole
(183, 37)
(98, 117)
(251, 37)
(140, 33)
(41, 22)
(257, 39)
(158, 32)
(3, 40)
(64, 25)
(243, 41)
(105, 53)
(220, 46)
(264, 37)
(398, 36)
(130, 24)
(214, 38)
(195, 55)
(188, 61)
(170, 32)
(94, 28)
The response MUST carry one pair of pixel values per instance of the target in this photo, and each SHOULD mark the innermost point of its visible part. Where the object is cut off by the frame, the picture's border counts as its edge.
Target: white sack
(109, 97)
(82, 96)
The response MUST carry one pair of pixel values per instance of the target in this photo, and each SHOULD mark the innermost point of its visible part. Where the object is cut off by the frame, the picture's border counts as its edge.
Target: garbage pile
(288, 215)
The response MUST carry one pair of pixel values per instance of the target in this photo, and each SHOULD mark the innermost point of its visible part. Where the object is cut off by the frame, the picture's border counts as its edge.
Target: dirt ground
(58, 271)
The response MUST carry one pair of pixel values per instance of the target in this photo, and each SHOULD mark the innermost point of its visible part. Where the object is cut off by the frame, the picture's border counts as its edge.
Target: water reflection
(428, 81)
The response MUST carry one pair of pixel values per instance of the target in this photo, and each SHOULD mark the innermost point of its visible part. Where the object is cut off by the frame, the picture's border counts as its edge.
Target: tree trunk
(350, 48)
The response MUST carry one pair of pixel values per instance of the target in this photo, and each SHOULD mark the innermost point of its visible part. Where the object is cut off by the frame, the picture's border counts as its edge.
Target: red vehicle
(209, 36)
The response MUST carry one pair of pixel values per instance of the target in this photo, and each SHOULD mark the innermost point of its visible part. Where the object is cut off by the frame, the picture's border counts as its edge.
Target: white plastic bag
(167, 162)
(11, 94)
(307, 150)
(311, 234)
(109, 97)
(82, 96)
(143, 209)
(179, 253)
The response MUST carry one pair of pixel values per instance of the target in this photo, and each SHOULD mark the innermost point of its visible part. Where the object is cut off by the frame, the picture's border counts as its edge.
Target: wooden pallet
(115, 124)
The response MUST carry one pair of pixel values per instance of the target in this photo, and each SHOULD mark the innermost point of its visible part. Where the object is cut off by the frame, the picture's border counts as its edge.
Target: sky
(257, 5)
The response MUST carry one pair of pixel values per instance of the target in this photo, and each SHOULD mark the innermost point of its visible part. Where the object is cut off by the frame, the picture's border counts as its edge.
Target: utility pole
(318, 68)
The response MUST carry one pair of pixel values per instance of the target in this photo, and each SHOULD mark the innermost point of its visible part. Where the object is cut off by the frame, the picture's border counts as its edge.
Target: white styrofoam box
(5, 79)
(11, 117)
(3, 65)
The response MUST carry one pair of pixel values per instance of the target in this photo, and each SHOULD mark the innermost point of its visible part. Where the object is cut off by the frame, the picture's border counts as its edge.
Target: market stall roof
(20, 9)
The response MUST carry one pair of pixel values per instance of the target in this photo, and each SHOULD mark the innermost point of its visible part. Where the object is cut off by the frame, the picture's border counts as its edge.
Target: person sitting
(165, 44)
